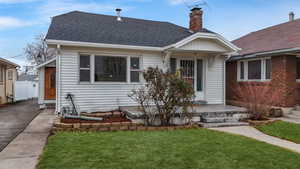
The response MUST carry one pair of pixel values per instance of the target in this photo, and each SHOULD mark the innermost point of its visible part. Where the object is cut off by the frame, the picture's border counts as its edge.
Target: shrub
(259, 99)
(164, 95)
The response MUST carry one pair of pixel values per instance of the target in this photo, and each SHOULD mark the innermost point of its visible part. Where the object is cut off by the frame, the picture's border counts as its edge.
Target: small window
(10, 75)
(268, 68)
(135, 69)
(85, 68)
(242, 73)
(298, 68)
(173, 65)
(110, 69)
(254, 70)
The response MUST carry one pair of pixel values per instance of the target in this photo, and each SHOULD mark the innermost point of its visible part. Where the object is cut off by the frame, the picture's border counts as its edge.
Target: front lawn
(284, 130)
(180, 149)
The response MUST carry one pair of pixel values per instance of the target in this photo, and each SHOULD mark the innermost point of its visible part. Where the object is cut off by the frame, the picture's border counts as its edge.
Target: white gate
(24, 90)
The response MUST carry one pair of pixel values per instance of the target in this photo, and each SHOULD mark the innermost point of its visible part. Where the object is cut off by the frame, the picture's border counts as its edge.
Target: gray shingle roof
(96, 28)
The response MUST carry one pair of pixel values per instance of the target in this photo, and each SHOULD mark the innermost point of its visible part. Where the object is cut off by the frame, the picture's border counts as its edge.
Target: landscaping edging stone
(115, 126)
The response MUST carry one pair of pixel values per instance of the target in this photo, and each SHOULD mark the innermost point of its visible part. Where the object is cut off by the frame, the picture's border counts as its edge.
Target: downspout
(58, 94)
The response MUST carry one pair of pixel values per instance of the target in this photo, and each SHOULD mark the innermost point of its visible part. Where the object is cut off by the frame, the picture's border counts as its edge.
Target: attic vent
(118, 11)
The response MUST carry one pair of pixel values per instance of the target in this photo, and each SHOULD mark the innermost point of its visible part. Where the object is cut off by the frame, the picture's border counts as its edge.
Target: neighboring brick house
(268, 56)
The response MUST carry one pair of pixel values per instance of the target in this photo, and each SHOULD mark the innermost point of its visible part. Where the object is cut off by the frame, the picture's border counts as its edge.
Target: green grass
(284, 130)
(180, 149)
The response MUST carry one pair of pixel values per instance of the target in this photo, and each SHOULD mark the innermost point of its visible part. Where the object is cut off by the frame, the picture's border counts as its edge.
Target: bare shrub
(165, 95)
(258, 98)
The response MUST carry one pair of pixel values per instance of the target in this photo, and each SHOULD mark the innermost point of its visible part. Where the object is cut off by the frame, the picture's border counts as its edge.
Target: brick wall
(283, 81)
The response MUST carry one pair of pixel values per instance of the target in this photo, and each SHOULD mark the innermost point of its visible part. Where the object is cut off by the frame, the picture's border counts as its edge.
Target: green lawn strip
(281, 129)
(180, 149)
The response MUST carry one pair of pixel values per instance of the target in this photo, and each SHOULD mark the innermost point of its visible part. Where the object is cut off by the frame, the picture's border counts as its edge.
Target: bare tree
(38, 52)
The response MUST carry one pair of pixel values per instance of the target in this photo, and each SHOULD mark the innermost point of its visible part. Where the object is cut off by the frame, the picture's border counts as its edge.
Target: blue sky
(22, 20)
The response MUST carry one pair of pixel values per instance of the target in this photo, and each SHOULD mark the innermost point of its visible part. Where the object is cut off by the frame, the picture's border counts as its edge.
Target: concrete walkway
(24, 151)
(256, 134)
(14, 118)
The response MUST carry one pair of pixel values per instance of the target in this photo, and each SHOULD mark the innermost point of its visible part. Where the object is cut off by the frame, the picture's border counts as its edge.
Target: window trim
(92, 68)
(263, 70)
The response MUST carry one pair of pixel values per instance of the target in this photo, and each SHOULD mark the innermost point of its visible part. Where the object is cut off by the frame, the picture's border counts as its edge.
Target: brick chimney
(196, 19)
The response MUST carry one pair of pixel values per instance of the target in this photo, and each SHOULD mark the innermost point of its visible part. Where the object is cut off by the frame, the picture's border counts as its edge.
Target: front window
(298, 68)
(268, 68)
(85, 68)
(258, 69)
(110, 69)
(135, 69)
(254, 70)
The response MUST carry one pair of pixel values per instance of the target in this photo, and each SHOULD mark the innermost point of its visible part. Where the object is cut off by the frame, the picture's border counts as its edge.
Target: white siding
(96, 97)
(215, 81)
(204, 45)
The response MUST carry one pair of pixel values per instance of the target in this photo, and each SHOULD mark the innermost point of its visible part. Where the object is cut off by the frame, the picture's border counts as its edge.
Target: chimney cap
(118, 9)
(196, 9)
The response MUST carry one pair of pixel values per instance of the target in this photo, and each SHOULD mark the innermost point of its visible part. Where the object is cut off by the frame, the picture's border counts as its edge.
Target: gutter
(269, 53)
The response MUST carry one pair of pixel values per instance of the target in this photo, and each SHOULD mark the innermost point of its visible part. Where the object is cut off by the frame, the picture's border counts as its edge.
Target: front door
(192, 72)
(50, 83)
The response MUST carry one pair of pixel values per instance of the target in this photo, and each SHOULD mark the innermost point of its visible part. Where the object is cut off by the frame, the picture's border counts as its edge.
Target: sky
(22, 20)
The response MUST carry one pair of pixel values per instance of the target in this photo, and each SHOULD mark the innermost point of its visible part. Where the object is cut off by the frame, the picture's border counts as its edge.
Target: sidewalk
(257, 135)
(24, 151)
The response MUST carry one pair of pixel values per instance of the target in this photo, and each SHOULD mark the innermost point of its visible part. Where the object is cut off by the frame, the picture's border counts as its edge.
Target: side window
(242, 73)
(298, 68)
(134, 69)
(84, 68)
(268, 68)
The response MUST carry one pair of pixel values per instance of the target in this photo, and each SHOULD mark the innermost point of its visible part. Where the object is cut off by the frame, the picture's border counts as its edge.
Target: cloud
(8, 22)
(15, 1)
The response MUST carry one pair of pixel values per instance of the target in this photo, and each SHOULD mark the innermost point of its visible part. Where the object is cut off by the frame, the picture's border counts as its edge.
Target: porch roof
(46, 63)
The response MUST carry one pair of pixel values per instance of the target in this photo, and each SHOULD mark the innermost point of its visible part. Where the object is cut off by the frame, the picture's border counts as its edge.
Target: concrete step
(220, 119)
(297, 108)
(293, 116)
(216, 125)
(295, 112)
(222, 114)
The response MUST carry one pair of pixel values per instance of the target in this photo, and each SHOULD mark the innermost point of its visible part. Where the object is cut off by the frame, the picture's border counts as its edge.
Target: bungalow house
(100, 58)
(269, 57)
(8, 76)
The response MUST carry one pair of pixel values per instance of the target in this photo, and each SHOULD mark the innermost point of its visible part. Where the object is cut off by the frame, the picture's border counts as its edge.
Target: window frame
(92, 68)
(263, 70)
(9, 75)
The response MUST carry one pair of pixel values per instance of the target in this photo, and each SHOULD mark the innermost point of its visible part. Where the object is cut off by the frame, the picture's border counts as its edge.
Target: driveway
(14, 118)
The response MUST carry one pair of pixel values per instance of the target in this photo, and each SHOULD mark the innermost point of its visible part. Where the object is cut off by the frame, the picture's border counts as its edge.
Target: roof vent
(292, 16)
(118, 10)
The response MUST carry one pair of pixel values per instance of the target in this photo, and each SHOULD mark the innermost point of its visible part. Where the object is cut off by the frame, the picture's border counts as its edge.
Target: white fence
(25, 90)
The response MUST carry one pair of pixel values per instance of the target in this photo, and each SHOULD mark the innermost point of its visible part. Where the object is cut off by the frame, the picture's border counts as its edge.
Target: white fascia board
(204, 36)
(101, 45)
(46, 63)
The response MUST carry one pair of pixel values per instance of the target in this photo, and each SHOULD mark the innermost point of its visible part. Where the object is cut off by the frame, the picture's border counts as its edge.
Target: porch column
(166, 61)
